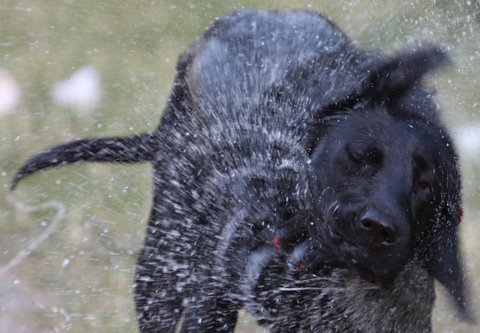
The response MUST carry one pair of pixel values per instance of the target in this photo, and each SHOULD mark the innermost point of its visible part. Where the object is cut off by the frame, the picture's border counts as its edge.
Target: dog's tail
(134, 149)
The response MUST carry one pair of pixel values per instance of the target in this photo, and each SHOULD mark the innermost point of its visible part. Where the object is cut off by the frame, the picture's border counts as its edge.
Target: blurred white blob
(9, 93)
(82, 91)
(468, 141)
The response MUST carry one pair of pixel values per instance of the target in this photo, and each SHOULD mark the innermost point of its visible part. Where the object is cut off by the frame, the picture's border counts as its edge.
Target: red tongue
(459, 215)
(276, 243)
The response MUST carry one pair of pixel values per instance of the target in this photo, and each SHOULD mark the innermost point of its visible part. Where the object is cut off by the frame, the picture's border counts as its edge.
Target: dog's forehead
(382, 127)
(398, 136)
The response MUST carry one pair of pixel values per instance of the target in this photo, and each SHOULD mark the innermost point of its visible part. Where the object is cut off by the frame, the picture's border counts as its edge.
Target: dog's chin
(383, 279)
(381, 275)
(377, 267)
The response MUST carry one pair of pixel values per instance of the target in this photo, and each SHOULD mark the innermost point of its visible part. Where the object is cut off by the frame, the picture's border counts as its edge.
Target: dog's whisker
(300, 289)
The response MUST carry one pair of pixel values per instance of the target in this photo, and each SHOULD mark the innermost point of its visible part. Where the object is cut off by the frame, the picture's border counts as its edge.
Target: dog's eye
(424, 186)
(370, 156)
(374, 156)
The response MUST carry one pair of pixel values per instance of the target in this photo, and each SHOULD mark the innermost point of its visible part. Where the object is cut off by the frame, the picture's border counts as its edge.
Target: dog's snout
(378, 228)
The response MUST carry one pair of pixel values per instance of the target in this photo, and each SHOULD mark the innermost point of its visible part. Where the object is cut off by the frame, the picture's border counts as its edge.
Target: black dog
(296, 175)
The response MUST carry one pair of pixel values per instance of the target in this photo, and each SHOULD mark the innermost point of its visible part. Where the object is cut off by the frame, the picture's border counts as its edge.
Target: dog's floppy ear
(444, 258)
(393, 77)
(446, 265)
(390, 78)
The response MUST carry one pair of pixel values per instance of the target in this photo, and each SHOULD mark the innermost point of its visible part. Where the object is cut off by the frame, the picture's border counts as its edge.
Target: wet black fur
(295, 175)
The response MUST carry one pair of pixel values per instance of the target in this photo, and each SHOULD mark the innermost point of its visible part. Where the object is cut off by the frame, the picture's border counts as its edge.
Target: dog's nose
(378, 228)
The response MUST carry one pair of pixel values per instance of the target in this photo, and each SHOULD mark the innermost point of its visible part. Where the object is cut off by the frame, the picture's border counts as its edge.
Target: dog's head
(386, 180)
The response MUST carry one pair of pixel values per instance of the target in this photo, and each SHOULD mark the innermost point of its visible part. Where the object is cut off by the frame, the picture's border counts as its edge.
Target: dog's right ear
(445, 265)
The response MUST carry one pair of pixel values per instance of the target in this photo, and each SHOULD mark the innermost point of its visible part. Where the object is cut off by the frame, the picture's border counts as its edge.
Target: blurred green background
(79, 279)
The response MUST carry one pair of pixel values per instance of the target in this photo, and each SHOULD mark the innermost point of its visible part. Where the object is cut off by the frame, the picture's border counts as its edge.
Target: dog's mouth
(376, 255)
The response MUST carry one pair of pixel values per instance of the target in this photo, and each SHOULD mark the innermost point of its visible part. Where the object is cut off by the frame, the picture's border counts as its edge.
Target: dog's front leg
(158, 302)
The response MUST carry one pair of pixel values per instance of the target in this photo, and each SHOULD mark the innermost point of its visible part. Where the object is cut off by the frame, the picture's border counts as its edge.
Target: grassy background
(80, 278)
